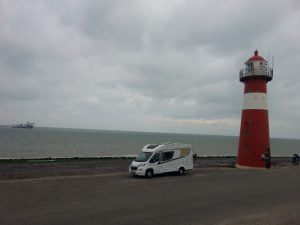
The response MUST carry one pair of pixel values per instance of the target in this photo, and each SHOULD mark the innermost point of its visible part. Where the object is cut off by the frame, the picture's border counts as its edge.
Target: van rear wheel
(181, 171)
(149, 173)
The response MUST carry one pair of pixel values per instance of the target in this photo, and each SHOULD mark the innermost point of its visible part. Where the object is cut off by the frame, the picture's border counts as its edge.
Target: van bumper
(139, 172)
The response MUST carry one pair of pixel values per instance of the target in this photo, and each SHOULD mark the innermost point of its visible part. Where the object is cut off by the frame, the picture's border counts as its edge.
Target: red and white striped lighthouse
(254, 133)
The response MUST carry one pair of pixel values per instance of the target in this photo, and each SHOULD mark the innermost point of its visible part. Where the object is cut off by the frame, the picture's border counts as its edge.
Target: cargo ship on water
(24, 125)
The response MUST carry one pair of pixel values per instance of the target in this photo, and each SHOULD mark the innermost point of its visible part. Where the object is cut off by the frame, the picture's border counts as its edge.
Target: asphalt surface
(205, 196)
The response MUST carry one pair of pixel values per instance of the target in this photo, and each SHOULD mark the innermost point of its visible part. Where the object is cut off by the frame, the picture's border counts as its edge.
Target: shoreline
(125, 157)
(15, 169)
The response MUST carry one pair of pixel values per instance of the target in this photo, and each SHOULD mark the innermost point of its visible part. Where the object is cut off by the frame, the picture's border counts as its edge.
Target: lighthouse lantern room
(254, 142)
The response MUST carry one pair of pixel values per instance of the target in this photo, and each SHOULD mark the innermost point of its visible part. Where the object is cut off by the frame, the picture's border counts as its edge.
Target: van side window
(155, 158)
(167, 155)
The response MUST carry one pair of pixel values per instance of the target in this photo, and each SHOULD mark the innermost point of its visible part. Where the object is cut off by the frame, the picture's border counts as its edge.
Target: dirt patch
(36, 168)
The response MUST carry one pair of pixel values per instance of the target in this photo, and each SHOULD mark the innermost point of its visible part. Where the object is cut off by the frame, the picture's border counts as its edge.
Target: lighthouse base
(250, 167)
(254, 140)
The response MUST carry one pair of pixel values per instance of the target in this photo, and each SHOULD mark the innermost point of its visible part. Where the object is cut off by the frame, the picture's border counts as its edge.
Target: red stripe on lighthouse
(255, 86)
(254, 138)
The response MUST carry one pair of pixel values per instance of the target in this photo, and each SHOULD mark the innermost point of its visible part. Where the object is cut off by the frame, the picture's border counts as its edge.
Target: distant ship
(24, 125)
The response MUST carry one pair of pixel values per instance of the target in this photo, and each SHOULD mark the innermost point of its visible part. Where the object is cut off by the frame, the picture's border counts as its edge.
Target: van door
(167, 162)
(155, 163)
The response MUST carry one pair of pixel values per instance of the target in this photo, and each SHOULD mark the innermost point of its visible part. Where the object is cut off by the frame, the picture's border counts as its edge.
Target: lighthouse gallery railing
(247, 73)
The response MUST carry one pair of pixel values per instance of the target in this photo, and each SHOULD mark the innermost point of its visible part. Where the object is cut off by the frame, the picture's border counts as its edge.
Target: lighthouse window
(248, 67)
(261, 65)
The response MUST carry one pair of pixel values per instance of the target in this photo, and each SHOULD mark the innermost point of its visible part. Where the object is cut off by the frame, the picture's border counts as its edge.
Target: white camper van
(162, 158)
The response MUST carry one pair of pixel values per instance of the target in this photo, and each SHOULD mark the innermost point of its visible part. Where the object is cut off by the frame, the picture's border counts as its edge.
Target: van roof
(164, 146)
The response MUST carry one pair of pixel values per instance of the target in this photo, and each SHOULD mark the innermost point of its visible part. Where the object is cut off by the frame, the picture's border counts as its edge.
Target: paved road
(207, 196)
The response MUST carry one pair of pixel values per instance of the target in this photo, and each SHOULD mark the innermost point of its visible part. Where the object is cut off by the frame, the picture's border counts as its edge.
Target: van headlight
(141, 165)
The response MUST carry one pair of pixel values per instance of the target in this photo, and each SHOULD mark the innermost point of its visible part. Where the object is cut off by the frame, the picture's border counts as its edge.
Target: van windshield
(143, 156)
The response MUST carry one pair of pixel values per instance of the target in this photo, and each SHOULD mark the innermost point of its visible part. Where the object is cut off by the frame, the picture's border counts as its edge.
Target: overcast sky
(163, 66)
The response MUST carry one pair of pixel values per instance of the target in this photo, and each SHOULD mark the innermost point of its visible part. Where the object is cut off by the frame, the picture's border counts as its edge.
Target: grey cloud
(225, 28)
(145, 65)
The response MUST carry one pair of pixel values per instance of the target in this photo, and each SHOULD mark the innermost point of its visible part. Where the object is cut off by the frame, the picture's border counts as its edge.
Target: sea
(17, 143)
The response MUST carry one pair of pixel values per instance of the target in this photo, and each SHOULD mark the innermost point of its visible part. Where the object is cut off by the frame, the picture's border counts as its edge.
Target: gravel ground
(28, 169)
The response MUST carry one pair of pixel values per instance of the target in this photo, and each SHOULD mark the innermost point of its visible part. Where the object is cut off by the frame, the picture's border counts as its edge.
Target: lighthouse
(254, 142)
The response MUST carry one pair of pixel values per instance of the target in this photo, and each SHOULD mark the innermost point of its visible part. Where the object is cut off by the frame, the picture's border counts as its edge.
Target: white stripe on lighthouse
(255, 100)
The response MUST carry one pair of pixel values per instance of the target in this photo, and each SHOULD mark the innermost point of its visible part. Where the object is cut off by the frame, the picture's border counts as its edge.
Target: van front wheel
(181, 171)
(149, 173)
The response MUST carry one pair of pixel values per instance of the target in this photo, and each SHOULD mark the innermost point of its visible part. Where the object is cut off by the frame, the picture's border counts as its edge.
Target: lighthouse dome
(255, 57)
